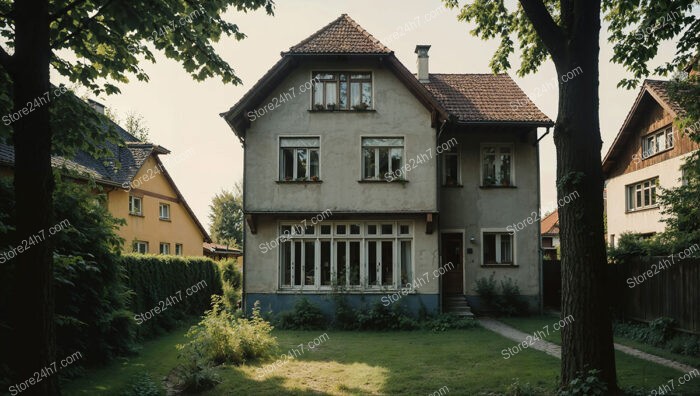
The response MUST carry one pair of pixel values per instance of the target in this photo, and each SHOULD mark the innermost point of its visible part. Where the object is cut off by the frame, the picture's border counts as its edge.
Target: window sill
(298, 181)
(642, 209)
(342, 111)
(453, 185)
(383, 181)
(136, 214)
(329, 290)
(164, 219)
(499, 266)
(495, 187)
(657, 153)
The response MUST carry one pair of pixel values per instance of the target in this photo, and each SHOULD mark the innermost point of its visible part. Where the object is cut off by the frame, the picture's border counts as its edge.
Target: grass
(533, 324)
(365, 363)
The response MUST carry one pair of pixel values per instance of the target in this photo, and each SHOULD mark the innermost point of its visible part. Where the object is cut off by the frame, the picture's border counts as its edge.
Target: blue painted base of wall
(285, 302)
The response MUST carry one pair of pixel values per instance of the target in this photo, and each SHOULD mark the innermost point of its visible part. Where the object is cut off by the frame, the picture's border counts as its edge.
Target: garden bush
(507, 302)
(379, 317)
(304, 316)
(345, 317)
(660, 333)
(160, 287)
(221, 337)
(447, 321)
(231, 279)
(588, 384)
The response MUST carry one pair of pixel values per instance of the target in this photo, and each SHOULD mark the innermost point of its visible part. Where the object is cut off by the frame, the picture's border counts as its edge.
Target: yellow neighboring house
(139, 190)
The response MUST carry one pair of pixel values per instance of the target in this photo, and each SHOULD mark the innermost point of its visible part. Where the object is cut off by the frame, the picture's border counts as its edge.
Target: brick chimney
(422, 62)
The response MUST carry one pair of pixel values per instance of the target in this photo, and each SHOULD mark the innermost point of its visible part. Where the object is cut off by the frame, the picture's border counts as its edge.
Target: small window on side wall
(382, 158)
(135, 205)
(497, 165)
(164, 210)
(451, 176)
(164, 248)
(497, 248)
(178, 249)
(140, 247)
(299, 159)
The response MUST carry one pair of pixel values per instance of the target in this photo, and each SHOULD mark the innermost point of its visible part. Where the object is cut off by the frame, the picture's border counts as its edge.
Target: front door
(453, 279)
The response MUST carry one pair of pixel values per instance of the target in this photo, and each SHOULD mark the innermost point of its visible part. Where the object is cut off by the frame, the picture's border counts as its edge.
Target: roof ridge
(316, 33)
(364, 31)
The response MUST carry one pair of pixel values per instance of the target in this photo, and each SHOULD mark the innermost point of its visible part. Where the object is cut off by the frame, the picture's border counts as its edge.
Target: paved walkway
(555, 350)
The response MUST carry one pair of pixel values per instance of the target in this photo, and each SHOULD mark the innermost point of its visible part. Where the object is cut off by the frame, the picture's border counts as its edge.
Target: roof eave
(516, 123)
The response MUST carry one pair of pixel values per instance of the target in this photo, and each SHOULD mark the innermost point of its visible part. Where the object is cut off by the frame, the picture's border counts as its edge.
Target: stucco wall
(642, 221)
(398, 113)
(471, 209)
(180, 229)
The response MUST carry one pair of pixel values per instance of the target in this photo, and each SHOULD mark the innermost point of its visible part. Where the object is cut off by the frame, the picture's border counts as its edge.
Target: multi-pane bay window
(497, 248)
(381, 157)
(348, 255)
(342, 91)
(299, 158)
(657, 142)
(642, 195)
(497, 165)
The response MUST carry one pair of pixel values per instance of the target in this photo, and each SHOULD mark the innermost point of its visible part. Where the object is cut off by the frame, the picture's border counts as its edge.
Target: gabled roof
(215, 248)
(485, 98)
(342, 36)
(464, 98)
(550, 224)
(651, 91)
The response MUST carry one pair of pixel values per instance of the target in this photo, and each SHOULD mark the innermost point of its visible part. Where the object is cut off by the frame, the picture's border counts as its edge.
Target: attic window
(342, 91)
(657, 142)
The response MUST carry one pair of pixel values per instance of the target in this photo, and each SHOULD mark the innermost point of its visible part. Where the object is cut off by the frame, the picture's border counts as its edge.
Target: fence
(642, 289)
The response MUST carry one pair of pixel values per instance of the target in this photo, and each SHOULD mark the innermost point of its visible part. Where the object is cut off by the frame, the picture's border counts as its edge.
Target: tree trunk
(33, 341)
(587, 342)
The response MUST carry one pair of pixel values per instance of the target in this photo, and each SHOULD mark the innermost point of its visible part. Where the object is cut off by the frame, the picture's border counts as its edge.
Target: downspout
(438, 169)
(244, 300)
(539, 236)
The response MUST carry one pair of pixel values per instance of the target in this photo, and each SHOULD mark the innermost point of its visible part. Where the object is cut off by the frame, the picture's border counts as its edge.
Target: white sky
(184, 115)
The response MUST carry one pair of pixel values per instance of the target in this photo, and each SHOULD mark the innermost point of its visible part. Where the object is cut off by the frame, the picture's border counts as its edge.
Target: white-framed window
(642, 195)
(140, 247)
(299, 158)
(498, 248)
(164, 211)
(381, 156)
(451, 169)
(657, 142)
(345, 256)
(497, 165)
(178, 249)
(164, 248)
(342, 91)
(135, 205)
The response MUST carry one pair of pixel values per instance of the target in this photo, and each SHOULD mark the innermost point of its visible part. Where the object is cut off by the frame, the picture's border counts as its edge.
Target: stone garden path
(555, 350)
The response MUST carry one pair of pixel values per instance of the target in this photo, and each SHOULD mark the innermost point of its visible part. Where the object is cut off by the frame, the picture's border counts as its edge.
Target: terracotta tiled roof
(342, 36)
(550, 224)
(484, 97)
(660, 89)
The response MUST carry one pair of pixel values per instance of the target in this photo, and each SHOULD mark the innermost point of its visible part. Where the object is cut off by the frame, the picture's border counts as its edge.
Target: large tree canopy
(568, 33)
(227, 217)
(95, 44)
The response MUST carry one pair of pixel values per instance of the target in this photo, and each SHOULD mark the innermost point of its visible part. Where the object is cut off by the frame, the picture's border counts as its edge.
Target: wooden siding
(650, 117)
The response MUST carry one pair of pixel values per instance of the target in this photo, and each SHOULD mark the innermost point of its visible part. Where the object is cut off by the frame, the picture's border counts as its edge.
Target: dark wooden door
(453, 279)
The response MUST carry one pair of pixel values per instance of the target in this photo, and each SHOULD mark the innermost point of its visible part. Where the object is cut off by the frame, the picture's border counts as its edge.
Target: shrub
(231, 279)
(220, 337)
(194, 375)
(345, 317)
(660, 333)
(382, 318)
(508, 302)
(518, 389)
(304, 316)
(634, 245)
(157, 280)
(445, 322)
(588, 384)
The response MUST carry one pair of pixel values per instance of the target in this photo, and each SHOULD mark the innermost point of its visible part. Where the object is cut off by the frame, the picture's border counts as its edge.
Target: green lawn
(360, 363)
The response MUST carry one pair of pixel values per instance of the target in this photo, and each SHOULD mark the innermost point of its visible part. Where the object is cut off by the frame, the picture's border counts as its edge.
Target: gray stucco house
(364, 178)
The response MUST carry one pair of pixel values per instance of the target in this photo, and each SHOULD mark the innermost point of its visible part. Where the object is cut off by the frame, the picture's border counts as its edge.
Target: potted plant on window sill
(314, 178)
(319, 107)
(288, 178)
(505, 182)
(361, 107)
(331, 106)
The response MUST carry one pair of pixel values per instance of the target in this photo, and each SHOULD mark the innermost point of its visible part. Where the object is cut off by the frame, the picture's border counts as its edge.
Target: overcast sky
(184, 115)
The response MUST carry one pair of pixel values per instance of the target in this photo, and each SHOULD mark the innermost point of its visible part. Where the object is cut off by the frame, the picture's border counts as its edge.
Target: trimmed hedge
(160, 286)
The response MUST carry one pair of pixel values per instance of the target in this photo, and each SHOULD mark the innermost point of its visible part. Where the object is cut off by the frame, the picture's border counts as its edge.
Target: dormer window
(342, 91)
